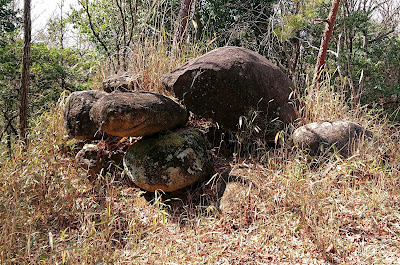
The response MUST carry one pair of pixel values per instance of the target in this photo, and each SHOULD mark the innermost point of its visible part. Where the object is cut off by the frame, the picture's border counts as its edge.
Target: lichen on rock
(169, 162)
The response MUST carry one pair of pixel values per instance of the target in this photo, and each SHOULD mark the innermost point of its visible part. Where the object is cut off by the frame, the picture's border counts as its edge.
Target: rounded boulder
(169, 162)
(319, 137)
(134, 114)
(230, 82)
(77, 120)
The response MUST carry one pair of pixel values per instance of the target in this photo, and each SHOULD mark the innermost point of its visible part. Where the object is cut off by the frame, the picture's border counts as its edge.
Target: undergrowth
(293, 208)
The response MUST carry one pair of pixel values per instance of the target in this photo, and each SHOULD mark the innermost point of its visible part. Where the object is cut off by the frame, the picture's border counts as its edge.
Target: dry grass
(294, 209)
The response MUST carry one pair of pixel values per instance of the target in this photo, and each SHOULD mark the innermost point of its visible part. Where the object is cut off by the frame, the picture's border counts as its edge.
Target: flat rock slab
(228, 83)
(77, 120)
(134, 114)
(320, 137)
(169, 162)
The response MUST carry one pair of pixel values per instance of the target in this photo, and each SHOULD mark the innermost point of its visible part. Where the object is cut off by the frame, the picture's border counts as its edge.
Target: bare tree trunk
(295, 60)
(297, 50)
(62, 32)
(349, 46)
(85, 5)
(197, 21)
(25, 79)
(183, 19)
(325, 40)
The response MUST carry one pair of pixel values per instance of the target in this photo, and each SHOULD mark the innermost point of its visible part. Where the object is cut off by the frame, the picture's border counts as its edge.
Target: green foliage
(293, 17)
(52, 68)
(8, 18)
(115, 26)
(239, 23)
(372, 51)
(52, 71)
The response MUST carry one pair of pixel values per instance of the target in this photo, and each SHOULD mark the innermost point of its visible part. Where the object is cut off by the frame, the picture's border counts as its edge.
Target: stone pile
(223, 86)
(162, 159)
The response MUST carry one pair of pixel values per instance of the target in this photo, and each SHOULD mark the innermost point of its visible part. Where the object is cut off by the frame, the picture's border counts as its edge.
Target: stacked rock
(163, 159)
(223, 86)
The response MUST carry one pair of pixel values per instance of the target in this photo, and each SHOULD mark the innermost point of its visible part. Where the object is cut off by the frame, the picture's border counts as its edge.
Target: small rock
(137, 114)
(319, 137)
(91, 158)
(169, 162)
(76, 114)
(123, 81)
(94, 159)
(233, 196)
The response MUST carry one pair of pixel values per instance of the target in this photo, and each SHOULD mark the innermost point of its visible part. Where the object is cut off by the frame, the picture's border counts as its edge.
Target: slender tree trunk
(62, 44)
(297, 50)
(25, 79)
(325, 40)
(197, 21)
(348, 40)
(183, 19)
(295, 60)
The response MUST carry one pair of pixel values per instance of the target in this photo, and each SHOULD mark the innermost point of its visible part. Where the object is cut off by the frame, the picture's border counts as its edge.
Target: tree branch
(381, 36)
(96, 35)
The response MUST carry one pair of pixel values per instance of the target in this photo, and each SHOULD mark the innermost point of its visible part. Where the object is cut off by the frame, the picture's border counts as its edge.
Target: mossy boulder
(169, 162)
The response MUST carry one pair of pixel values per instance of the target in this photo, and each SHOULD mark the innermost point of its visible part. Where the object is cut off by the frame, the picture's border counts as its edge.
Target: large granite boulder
(76, 114)
(137, 114)
(228, 82)
(169, 162)
(319, 137)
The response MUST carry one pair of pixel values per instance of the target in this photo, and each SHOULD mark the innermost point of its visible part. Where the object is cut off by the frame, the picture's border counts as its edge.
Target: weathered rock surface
(319, 137)
(169, 162)
(228, 82)
(76, 114)
(94, 158)
(90, 158)
(122, 81)
(234, 195)
(137, 114)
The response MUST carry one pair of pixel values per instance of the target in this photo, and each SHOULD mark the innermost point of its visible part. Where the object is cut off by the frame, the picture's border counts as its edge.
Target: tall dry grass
(294, 209)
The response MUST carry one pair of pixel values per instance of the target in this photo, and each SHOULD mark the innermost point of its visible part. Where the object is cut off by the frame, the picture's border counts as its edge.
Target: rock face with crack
(319, 137)
(230, 82)
(77, 120)
(169, 162)
(137, 114)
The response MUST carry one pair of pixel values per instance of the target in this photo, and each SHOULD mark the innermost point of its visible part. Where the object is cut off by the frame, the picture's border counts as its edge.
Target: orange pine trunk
(325, 40)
